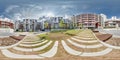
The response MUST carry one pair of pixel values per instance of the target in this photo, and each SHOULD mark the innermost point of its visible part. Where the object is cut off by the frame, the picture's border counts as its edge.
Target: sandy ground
(63, 55)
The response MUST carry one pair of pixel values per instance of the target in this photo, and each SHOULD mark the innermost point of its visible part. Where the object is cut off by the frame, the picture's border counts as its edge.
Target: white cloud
(17, 16)
(11, 7)
(66, 6)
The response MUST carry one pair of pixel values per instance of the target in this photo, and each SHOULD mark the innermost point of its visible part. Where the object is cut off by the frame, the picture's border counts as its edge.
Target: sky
(19, 9)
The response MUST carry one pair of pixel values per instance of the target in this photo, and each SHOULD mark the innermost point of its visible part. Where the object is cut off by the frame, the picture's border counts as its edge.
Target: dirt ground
(63, 55)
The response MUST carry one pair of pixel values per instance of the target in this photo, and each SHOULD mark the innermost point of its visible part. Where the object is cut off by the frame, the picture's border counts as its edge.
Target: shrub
(43, 36)
(72, 32)
(56, 31)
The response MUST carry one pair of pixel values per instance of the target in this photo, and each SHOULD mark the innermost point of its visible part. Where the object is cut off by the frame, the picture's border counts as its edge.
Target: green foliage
(61, 24)
(46, 24)
(72, 32)
(43, 36)
(55, 31)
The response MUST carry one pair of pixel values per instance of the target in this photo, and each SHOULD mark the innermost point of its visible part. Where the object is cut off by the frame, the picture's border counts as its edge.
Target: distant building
(113, 22)
(87, 20)
(103, 18)
(74, 21)
(29, 24)
(18, 25)
(6, 23)
(26, 25)
(54, 22)
(40, 24)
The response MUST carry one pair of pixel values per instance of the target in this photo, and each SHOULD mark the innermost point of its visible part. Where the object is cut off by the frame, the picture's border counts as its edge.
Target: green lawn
(59, 34)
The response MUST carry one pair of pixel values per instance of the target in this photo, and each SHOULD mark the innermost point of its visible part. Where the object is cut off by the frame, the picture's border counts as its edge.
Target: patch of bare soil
(58, 36)
(114, 41)
(6, 41)
(103, 37)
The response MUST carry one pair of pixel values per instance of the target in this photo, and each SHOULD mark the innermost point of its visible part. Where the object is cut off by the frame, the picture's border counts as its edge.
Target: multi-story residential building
(87, 20)
(26, 25)
(29, 24)
(18, 25)
(54, 22)
(74, 21)
(113, 22)
(40, 24)
(103, 18)
(6, 26)
(6, 23)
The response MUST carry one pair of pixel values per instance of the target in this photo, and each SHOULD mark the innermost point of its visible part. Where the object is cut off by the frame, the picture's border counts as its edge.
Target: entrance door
(96, 25)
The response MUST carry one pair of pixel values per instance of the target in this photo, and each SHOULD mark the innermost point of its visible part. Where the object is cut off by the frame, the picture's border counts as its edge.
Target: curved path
(84, 46)
(70, 50)
(74, 52)
(83, 38)
(9, 54)
(32, 42)
(32, 49)
(83, 41)
(32, 45)
(50, 53)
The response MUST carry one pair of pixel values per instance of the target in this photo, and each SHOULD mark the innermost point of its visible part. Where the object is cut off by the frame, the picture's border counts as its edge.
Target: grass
(72, 32)
(57, 31)
(44, 36)
(59, 34)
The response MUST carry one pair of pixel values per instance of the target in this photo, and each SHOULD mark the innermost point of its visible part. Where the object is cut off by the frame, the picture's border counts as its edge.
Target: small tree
(81, 25)
(61, 24)
(46, 25)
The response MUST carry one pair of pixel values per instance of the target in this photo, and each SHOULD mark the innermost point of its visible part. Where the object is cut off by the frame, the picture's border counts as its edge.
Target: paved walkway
(32, 45)
(107, 49)
(32, 42)
(32, 49)
(83, 41)
(70, 50)
(83, 37)
(84, 46)
(111, 31)
(74, 52)
(50, 53)
(9, 54)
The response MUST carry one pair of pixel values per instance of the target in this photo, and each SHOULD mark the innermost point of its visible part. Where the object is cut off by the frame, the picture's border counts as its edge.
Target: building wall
(29, 24)
(87, 20)
(103, 18)
(5, 24)
(112, 23)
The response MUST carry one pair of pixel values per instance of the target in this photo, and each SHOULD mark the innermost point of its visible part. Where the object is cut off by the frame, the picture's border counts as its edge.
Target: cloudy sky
(17, 9)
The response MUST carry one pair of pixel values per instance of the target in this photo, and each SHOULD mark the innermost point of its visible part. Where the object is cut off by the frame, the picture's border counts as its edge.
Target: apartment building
(113, 22)
(6, 23)
(88, 20)
(25, 25)
(29, 24)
